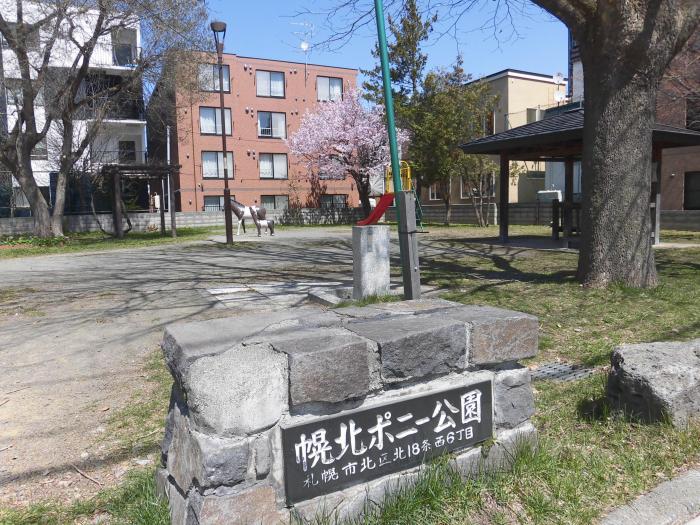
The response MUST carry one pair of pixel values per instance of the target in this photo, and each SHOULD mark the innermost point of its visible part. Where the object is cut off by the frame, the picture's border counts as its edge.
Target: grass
(577, 324)
(78, 242)
(133, 503)
(586, 463)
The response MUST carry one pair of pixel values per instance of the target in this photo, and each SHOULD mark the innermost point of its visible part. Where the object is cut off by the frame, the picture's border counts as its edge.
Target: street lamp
(219, 30)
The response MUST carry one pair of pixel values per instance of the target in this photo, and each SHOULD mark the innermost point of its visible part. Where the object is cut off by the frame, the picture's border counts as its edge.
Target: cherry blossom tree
(345, 138)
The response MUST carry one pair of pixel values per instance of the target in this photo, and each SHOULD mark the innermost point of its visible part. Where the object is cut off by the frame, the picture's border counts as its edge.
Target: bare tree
(53, 48)
(626, 47)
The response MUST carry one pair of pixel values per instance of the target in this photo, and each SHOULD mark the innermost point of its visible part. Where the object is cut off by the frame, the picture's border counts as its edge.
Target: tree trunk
(37, 203)
(448, 211)
(617, 145)
(59, 204)
(363, 190)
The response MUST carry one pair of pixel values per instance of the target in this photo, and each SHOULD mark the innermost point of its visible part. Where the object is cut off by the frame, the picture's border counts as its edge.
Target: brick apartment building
(264, 102)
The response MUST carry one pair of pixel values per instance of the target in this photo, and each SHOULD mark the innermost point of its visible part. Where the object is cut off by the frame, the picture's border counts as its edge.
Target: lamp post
(219, 30)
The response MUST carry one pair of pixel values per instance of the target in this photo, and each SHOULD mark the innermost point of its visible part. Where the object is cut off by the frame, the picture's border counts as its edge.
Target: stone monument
(370, 261)
(301, 413)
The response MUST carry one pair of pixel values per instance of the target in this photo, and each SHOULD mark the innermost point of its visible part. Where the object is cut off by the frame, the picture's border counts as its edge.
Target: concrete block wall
(238, 381)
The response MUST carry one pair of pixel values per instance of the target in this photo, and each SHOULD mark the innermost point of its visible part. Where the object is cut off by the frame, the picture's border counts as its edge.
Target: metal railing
(116, 54)
(101, 157)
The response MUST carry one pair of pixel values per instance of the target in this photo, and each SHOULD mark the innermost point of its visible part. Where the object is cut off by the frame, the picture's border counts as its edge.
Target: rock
(468, 464)
(370, 261)
(162, 484)
(178, 408)
(253, 506)
(657, 381)
(315, 356)
(415, 306)
(262, 451)
(239, 392)
(177, 504)
(497, 335)
(514, 402)
(194, 458)
(508, 444)
(184, 343)
(415, 346)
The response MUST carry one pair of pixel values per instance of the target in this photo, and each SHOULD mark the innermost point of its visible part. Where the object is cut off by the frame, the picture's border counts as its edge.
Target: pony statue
(257, 215)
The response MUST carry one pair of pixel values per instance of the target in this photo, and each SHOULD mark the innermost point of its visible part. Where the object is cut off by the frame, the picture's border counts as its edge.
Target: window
(214, 203)
(691, 191)
(269, 83)
(210, 121)
(334, 201)
(127, 151)
(329, 88)
(272, 124)
(273, 165)
(464, 188)
(213, 164)
(40, 152)
(435, 193)
(274, 202)
(209, 77)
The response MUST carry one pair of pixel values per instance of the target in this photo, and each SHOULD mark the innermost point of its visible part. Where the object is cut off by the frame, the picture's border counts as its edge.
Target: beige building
(523, 97)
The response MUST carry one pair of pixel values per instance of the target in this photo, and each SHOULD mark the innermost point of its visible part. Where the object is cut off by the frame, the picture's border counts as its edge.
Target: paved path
(673, 502)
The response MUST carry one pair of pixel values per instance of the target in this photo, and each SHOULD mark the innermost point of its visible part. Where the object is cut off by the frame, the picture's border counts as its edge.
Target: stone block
(415, 306)
(207, 461)
(262, 453)
(162, 483)
(253, 506)
(370, 261)
(415, 346)
(657, 381)
(469, 463)
(184, 343)
(239, 392)
(177, 505)
(509, 443)
(176, 410)
(497, 335)
(325, 365)
(514, 402)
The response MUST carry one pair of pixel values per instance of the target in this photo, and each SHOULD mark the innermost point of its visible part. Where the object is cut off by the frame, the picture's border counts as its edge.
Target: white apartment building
(122, 134)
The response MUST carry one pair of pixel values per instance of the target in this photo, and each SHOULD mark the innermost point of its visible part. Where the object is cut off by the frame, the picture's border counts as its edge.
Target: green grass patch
(134, 502)
(586, 463)
(22, 246)
(372, 299)
(576, 324)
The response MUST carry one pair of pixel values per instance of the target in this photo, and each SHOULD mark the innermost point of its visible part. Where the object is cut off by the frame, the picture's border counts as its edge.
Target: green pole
(388, 97)
(391, 127)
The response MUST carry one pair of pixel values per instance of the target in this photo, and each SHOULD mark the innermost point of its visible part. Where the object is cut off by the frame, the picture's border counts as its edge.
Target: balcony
(124, 156)
(116, 55)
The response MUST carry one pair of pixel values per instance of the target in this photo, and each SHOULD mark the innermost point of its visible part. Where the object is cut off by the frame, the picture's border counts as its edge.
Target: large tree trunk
(363, 190)
(448, 211)
(59, 205)
(37, 203)
(616, 177)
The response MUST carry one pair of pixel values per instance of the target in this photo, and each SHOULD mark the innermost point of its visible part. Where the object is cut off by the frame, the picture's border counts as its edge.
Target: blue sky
(269, 29)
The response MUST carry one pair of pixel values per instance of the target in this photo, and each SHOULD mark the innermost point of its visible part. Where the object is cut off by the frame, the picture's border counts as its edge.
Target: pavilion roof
(561, 135)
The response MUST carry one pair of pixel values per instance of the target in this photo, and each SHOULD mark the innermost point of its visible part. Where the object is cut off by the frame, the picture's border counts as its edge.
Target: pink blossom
(344, 137)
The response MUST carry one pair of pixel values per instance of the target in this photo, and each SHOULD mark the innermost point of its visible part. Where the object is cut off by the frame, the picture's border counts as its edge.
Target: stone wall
(151, 221)
(239, 381)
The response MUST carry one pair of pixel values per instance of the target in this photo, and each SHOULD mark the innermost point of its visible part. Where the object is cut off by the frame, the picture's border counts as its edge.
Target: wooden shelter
(163, 172)
(559, 138)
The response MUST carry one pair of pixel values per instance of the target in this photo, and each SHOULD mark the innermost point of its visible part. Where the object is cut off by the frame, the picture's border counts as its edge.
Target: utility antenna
(305, 36)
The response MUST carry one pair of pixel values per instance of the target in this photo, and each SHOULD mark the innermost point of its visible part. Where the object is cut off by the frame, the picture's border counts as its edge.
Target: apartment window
(435, 193)
(274, 202)
(273, 165)
(209, 77)
(269, 84)
(691, 191)
(127, 151)
(272, 124)
(329, 88)
(40, 152)
(334, 201)
(210, 121)
(213, 164)
(214, 203)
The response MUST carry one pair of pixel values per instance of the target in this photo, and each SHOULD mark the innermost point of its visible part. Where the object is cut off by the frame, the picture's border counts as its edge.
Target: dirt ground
(76, 331)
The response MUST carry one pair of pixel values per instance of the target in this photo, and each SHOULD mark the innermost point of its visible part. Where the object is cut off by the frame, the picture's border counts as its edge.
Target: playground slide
(385, 201)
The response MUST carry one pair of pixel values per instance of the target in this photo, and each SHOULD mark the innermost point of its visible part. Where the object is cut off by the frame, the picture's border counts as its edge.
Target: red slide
(384, 202)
